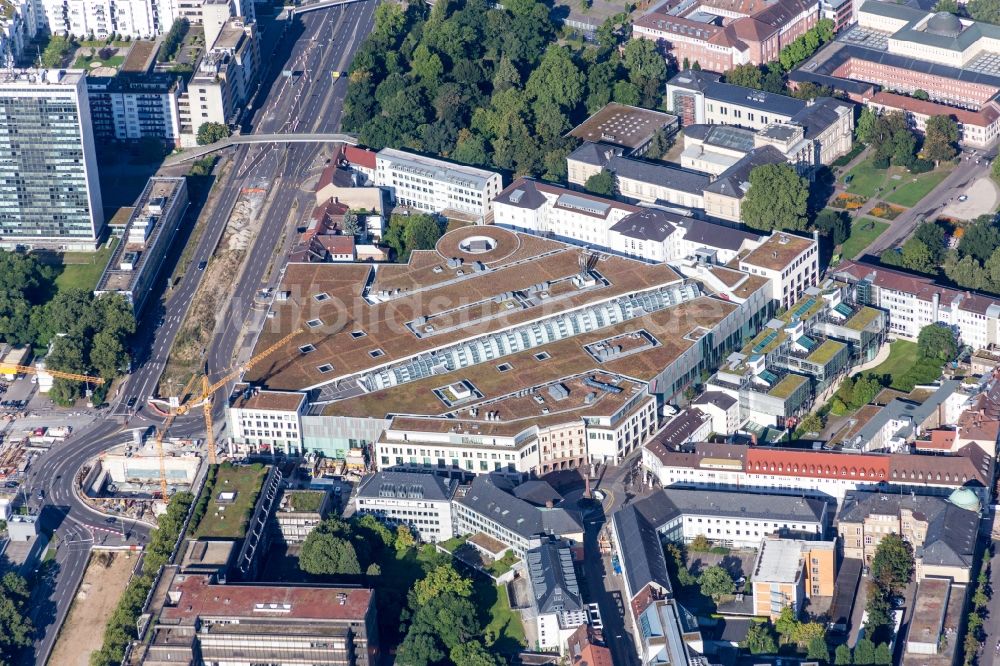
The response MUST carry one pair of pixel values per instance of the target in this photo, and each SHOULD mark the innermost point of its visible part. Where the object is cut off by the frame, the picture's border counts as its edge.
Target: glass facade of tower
(43, 176)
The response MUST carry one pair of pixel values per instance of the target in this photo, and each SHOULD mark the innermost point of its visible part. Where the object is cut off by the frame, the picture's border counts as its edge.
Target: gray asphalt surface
(324, 41)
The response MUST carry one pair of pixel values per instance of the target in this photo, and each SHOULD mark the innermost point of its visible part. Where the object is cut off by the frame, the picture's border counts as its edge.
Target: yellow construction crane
(207, 390)
(31, 370)
(160, 434)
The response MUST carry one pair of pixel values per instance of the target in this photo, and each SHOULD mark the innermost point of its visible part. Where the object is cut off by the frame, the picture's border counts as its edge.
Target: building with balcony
(419, 500)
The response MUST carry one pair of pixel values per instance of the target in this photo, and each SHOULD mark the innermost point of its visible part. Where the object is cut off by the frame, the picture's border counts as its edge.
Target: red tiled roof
(337, 244)
(969, 464)
(361, 157)
(982, 118)
(199, 598)
(817, 464)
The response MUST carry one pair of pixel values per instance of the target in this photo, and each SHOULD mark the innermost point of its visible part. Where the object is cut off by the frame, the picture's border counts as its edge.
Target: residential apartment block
(433, 185)
(421, 501)
(128, 107)
(49, 190)
(137, 260)
(100, 19)
(789, 262)
(205, 622)
(788, 572)
(720, 34)
(942, 531)
(916, 301)
(223, 80)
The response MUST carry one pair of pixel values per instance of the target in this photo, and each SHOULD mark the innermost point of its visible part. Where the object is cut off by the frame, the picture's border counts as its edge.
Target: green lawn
(504, 624)
(865, 179)
(86, 62)
(905, 368)
(864, 231)
(228, 520)
(82, 270)
(917, 187)
(504, 564)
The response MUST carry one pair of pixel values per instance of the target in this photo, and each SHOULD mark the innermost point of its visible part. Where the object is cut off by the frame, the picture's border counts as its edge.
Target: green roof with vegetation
(305, 500)
(228, 519)
(765, 342)
(803, 309)
(862, 318)
(825, 352)
(787, 386)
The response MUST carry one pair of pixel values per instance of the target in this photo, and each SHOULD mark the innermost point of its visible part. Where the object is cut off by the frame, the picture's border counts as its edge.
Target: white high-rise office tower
(50, 195)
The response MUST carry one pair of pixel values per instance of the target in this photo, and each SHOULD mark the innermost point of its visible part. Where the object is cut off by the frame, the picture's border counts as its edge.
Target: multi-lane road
(315, 44)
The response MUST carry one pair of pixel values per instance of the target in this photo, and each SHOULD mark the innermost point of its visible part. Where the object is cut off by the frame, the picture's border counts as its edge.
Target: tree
(950, 6)
(987, 11)
(940, 138)
(995, 170)
(56, 51)
(842, 655)
(879, 618)
(748, 76)
(370, 524)
(351, 225)
(980, 239)
(991, 271)
(602, 183)
(700, 544)
(660, 144)
(173, 39)
(16, 630)
(818, 650)
(451, 618)
(209, 133)
(786, 624)
(932, 235)
(809, 90)
(326, 554)
(812, 422)
(921, 95)
(716, 582)
(404, 538)
(864, 652)
(864, 390)
(760, 639)
(883, 655)
(373, 570)
(646, 68)
(777, 198)
(419, 649)
(440, 580)
(557, 80)
(834, 224)
(936, 341)
(864, 129)
(918, 257)
(473, 653)
(967, 272)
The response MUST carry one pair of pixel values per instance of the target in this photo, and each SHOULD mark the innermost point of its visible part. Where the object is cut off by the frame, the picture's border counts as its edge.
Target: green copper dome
(965, 499)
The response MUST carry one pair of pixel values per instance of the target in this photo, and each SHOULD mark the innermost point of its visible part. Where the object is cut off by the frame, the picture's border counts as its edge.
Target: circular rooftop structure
(485, 243)
(945, 24)
(965, 498)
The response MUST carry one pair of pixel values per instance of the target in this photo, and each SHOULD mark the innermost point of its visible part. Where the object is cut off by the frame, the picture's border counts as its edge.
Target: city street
(324, 41)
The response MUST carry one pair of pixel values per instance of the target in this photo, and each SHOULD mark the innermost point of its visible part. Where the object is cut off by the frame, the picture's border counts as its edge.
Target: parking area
(982, 197)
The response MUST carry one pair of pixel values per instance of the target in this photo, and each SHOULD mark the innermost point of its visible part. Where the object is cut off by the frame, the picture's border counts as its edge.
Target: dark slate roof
(757, 99)
(668, 503)
(515, 514)
(683, 180)
(522, 194)
(734, 181)
(648, 224)
(694, 79)
(717, 398)
(911, 414)
(818, 116)
(410, 485)
(951, 530)
(595, 154)
(537, 492)
(553, 578)
(642, 558)
(680, 429)
(833, 82)
(829, 60)
(716, 235)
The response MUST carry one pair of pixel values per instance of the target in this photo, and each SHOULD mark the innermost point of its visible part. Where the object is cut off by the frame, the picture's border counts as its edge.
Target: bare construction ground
(106, 576)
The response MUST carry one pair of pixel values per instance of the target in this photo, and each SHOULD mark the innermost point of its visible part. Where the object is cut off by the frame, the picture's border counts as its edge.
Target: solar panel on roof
(802, 309)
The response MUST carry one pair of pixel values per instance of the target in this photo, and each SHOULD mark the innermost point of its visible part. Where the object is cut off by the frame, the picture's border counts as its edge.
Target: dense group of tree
(121, 627)
(974, 263)
(778, 199)
(891, 570)
(894, 143)
(88, 334)
(979, 609)
(770, 77)
(488, 85)
(16, 630)
(407, 233)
